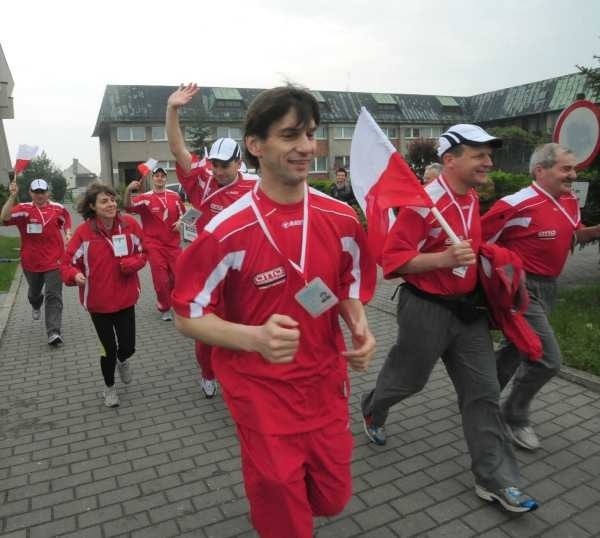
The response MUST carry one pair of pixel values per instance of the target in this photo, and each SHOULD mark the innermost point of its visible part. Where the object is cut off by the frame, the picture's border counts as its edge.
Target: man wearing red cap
(437, 316)
(211, 187)
(41, 224)
(160, 210)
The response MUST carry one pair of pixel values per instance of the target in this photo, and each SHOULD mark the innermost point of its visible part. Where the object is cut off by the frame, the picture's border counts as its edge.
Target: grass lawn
(576, 322)
(9, 248)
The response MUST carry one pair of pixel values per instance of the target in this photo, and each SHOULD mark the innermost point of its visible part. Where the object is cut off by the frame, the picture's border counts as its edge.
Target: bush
(323, 185)
(506, 183)
(3, 194)
(590, 213)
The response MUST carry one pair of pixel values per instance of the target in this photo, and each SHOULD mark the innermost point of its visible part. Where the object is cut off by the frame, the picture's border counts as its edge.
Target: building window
(319, 164)
(412, 132)
(390, 132)
(430, 132)
(230, 132)
(131, 134)
(321, 132)
(342, 161)
(167, 165)
(344, 133)
(158, 133)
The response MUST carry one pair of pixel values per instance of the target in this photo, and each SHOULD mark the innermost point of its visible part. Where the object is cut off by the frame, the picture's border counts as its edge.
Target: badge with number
(316, 298)
(34, 228)
(119, 243)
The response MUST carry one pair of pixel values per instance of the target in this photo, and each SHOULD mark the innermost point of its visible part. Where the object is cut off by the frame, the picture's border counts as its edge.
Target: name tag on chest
(34, 228)
(119, 244)
(316, 298)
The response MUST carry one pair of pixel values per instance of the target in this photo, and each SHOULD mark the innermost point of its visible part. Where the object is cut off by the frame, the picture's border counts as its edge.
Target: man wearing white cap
(41, 223)
(438, 316)
(210, 186)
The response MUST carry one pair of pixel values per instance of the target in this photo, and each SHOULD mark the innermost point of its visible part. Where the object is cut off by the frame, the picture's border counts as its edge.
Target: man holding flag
(437, 315)
(41, 224)
(160, 210)
(211, 184)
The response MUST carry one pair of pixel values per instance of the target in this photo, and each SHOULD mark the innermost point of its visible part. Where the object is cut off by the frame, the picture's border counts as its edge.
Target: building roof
(81, 170)
(144, 104)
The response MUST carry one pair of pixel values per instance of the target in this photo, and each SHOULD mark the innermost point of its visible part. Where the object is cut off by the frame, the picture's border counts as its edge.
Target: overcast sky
(63, 53)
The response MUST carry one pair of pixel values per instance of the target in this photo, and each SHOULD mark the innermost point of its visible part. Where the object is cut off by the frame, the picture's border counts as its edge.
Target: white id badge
(191, 216)
(316, 297)
(119, 243)
(460, 271)
(34, 228)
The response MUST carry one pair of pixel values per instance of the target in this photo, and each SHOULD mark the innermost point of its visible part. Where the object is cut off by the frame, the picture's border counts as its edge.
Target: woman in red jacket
(103, 259)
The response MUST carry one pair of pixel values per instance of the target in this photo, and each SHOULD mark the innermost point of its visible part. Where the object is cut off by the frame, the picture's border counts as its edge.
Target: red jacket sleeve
(402, 242)
(190, 181)
(71, 262)
(359, 272)
(494, 220)
(137, 257)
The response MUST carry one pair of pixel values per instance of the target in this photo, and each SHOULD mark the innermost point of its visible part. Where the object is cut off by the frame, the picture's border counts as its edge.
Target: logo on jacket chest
(269, 278)
(547, 234)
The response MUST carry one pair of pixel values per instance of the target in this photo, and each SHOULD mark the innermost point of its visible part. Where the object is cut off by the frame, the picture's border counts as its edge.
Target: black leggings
(116, 331)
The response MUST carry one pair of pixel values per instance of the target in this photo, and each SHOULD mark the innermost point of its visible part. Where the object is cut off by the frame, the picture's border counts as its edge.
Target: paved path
(166, 462)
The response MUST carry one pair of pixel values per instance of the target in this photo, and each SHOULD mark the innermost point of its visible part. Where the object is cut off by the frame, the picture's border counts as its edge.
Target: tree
(517, 146)
(42, 168)
(421, 152)
(593, 78)
(198, 133)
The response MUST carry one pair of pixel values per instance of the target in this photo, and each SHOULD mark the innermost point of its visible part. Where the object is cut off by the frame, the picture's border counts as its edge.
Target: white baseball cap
(38, 185)
(468, 134)
(225, 149)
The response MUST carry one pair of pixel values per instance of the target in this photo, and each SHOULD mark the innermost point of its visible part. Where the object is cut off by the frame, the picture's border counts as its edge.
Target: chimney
(75, 167)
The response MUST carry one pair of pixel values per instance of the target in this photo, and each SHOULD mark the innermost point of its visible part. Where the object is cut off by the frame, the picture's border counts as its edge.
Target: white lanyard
(164, 204)
(466, 223)
(44, 222)
(104, 233)
(261, 221)
(575, 222)
(206, 198)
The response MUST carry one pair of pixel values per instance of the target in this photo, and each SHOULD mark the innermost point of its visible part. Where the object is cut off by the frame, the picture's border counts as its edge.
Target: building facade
(130, 124)
(6, 113)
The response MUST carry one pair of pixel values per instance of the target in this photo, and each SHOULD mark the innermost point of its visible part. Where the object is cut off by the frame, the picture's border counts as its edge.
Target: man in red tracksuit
(211, 185)
(539, 223)
(160, 210)
(265, 283)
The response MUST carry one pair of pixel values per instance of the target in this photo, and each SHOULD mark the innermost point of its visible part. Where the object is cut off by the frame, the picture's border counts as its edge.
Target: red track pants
(162, 266)
(203, 358)
(289, 479)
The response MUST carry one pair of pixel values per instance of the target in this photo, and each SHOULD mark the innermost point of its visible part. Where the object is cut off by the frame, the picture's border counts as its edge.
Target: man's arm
(176, 100)
(353, 314)
(457, 255)
(585, 234)
(133, 186)
(10, 202)
(277, 340)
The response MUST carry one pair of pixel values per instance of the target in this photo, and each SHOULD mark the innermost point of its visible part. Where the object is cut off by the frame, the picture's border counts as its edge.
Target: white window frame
(321, 133)
(412, 133)
(224, 131)
(164, 130)
(314, 167)
(346, 132)
(130, 130)
(387, 130)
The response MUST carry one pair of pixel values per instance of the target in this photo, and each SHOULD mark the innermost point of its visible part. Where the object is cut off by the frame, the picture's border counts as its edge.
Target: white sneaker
(167, 316)
(54, 339)
(36, 314)
(524, 436)
(209, 387)
(111, 398)
(125, 372)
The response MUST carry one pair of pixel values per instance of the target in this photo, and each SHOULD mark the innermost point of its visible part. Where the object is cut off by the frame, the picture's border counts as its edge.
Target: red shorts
(289, 479)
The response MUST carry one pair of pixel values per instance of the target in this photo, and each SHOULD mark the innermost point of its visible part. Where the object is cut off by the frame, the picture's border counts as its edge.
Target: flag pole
(444, 224)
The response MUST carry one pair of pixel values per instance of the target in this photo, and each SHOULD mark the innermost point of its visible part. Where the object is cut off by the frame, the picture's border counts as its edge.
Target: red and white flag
(381, 179)
(25, 154)
(145, 168)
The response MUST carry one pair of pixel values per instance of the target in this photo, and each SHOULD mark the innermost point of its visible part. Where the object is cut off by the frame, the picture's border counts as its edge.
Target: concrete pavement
(166, 463)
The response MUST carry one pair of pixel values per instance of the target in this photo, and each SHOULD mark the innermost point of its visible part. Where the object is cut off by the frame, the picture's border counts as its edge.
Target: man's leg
(53, 299)
(275, 481)
(471, 365)
(508, 359)
(159, 269)
(422, 338)
(207, 381)
(329, 478)
(35, 282)
(531, 376)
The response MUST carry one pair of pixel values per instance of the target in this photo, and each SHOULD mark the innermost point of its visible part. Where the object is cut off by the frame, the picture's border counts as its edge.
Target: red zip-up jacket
(112, 283)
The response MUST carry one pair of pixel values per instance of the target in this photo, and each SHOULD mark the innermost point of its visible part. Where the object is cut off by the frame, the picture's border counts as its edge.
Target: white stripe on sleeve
(350, 246)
